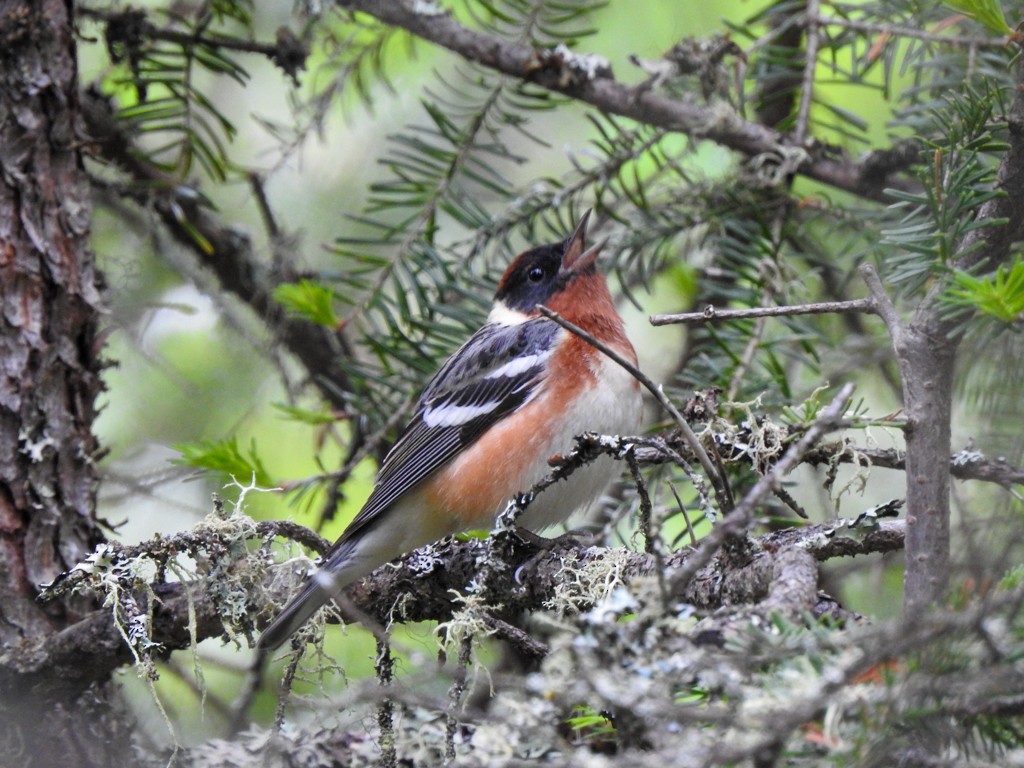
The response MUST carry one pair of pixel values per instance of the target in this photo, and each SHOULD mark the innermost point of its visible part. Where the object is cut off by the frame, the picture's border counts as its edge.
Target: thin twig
(680, 461)
(645, 501)
(881, 303)
(790, 502)
(356, 456)
(455, 694)
(898, 30)
(266, 212)
(287, 681)
(686, 515)
(385, 665)
(528, 646)
(711, 313)
(803, 114)
(287, 529)
(722, 492)
(746, 359)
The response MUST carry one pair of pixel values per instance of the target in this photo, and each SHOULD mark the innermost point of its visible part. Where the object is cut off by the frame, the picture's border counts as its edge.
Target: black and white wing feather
(491, 376)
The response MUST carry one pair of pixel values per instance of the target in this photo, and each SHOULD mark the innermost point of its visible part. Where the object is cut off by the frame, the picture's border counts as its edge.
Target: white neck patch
(502, 315)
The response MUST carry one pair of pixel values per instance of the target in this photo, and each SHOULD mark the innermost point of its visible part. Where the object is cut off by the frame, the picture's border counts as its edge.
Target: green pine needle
(1000, 295)
(226, 458)
(308, 299)
(987, 12)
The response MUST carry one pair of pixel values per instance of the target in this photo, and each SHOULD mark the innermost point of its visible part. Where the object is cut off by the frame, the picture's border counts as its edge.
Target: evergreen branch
(222, 249)
(914, 33)
(632, 145)
(986, 247)
(926, 347)
(576, 77)
(426, 217)
(401, 282)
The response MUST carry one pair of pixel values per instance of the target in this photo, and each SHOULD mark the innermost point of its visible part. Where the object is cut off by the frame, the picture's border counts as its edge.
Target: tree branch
(966, 465)
(576, 77)
(130, 26)
(425, 585)
(410, 592)
(925, 349)
(224, 250)
(710, 313)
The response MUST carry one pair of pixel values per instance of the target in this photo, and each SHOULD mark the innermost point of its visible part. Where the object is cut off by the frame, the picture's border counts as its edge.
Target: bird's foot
(579, 538)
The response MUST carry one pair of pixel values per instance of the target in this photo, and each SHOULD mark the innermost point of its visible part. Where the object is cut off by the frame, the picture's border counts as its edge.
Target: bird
(515, 394)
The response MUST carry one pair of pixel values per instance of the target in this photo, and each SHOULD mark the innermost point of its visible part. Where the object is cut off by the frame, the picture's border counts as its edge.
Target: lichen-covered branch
(425, 586)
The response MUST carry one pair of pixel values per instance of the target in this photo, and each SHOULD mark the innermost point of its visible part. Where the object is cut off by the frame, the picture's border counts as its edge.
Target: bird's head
(538, 274)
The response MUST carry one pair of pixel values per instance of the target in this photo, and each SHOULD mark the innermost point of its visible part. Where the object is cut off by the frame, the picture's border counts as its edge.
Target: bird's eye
(536, 274)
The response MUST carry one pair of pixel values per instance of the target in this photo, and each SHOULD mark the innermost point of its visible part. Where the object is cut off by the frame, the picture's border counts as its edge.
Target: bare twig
(266, 212)
(385, 665)
(803, 114)
(455, 696)
(898, 30)
(746, 360)
(685, 514)
(965, 465)
(645, 501)
(285, 689)
(528, 646)
(287, 52)
(710, 313)
(722, 492)
(880, 302)
(787, 499)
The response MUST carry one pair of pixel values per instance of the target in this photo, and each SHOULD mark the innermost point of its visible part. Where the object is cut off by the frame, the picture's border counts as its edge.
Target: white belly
(613, 409)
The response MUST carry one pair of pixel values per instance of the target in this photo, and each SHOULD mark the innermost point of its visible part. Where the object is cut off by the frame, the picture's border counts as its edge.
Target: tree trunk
(49, 380)
(927, 362)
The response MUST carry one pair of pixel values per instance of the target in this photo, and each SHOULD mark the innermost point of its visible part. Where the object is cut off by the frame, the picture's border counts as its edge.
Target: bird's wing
(491, 376)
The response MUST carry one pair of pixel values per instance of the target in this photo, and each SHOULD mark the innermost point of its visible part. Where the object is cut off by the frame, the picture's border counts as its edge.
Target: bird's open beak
(577, 256)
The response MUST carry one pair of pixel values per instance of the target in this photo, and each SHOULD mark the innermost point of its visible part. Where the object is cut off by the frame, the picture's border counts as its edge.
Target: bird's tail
(350, 559)
(355, 554)
(294, 615)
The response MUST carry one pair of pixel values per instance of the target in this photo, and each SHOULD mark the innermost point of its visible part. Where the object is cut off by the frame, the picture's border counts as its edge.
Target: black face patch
(533, 277)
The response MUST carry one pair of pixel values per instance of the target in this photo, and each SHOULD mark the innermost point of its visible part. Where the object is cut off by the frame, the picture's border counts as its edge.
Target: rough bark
(49, 377)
